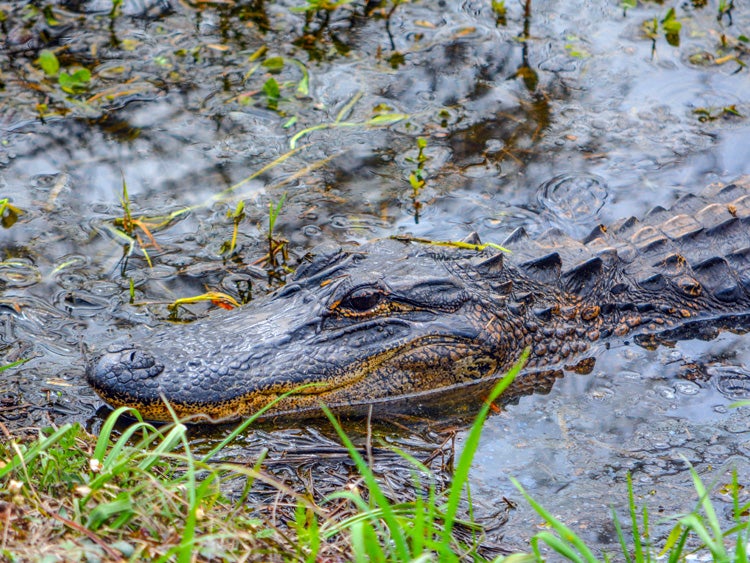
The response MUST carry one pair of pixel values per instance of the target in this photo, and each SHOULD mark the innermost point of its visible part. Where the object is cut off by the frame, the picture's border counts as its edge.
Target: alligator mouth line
(284, 398)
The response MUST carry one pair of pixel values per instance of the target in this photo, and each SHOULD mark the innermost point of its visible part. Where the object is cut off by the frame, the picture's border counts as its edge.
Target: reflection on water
(564, 115)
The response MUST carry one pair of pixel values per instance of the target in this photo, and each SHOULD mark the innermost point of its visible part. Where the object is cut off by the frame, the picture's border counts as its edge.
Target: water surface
(564, 115)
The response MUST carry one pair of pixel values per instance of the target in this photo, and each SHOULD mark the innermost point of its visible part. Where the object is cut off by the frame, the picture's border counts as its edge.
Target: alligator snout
(122, 366)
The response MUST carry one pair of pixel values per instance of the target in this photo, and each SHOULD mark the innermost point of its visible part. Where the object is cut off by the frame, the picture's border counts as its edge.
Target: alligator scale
(401, 321)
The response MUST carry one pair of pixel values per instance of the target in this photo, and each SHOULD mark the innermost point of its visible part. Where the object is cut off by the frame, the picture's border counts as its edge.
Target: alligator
(398, 322)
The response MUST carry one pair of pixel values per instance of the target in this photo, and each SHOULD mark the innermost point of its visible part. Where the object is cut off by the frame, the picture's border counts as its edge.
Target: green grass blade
(105, 434)
(558, 545)
(566, 533)
(694, 523)
(348, 107)
(461, 474)
(365, 543)
(170, 441)
(516, 558)
(672, 540)
(397, 536)
(248, 421)
(637, 544)
(22, 459)
(621, 537)
(736, 512)
(708, 508)
(103, 512)
(675, 554)
(740, 548)
(13, 364)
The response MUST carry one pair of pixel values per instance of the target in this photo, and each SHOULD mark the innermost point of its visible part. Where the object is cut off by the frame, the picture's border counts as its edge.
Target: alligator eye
(363, 299)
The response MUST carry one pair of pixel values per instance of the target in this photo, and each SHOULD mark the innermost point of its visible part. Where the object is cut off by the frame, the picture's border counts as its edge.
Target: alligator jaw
(124, 368)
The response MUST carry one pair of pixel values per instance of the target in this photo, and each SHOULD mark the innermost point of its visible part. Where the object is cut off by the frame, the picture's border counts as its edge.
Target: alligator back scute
(681, 227)
(739, 261)
(546, 269)
(699, 247)
(584, 278)
(718, 279)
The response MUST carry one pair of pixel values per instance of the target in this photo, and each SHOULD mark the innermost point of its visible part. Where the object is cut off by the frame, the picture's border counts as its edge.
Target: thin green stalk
(396, 532)
(461, 475)
(562, 544)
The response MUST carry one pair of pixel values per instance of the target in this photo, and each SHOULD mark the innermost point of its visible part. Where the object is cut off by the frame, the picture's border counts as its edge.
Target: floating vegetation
(669, 25)
(9, 213)
(128, 227)
(462, 244)
(217, 298)
(712, 114)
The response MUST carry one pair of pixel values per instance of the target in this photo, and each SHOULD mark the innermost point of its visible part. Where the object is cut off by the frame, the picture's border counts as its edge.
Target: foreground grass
(145, 495)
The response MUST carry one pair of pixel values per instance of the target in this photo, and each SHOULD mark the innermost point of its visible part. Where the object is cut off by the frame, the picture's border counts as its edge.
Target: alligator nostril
(126, 364)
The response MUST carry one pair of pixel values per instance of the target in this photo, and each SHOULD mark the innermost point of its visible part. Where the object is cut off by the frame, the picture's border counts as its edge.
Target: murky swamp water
(557, 114)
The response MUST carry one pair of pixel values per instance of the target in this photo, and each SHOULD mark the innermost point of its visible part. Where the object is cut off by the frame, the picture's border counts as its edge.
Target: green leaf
(670, 16)
(83, 76)
(274, 65)
(303, 86)
(75, 83)
(672, 26)
(49, 63)
(415, 182)
(273, 93)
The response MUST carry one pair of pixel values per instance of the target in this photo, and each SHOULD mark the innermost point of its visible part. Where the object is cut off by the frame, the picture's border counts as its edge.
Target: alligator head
(378, 322)
(395, 321)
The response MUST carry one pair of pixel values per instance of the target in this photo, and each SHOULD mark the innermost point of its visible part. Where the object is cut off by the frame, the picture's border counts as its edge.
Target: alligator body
(399, 320)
